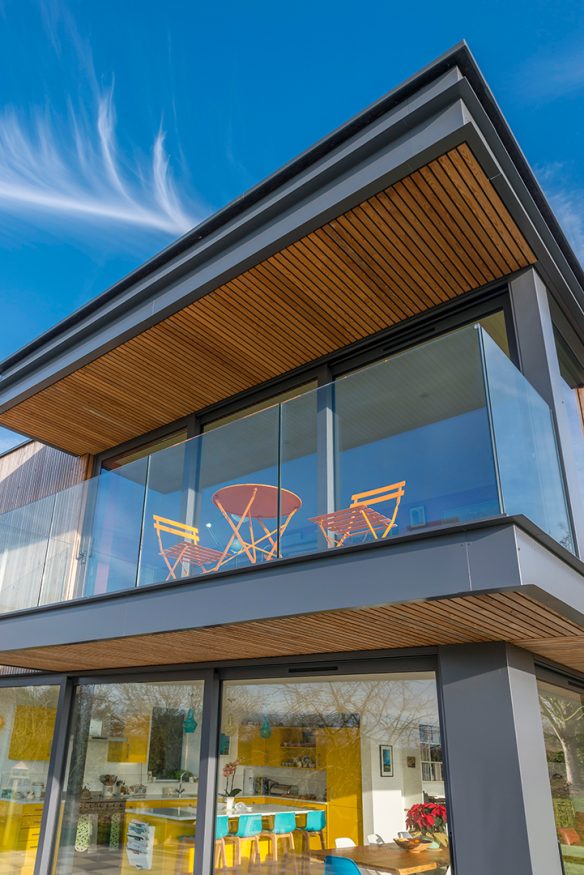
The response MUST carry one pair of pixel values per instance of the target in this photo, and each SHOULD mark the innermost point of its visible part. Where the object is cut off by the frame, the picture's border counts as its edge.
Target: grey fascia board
(511, 187)
(562, 583)
(394, 147)
(415, 569)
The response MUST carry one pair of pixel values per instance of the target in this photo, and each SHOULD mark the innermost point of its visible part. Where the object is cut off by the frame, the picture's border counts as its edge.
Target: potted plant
(230, 792)
(428, 819)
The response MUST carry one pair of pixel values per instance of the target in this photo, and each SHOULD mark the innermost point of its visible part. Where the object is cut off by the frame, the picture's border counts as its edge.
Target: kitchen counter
(23, 801)
(190, 814)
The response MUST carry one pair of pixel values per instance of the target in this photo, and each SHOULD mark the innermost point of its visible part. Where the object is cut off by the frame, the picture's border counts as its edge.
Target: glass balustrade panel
(526, 448)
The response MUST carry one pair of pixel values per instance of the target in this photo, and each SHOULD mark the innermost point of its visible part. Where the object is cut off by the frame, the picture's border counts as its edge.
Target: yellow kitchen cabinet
(32, 732)
(134, 749)
(20, 826)
(339, 751)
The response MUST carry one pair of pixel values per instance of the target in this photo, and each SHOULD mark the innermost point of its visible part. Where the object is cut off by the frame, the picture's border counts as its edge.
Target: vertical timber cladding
(429, 238)
(32, 471)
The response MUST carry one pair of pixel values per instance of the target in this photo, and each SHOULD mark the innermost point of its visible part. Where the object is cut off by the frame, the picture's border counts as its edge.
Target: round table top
(234, 499)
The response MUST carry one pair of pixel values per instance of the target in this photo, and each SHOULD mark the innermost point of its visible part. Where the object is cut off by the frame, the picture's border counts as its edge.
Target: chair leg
(291, 849)
(275, 847)
(182, 859)
(322, 841)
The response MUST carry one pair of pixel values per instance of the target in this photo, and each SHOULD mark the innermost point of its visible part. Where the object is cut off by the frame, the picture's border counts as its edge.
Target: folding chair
(360, 519)
(186, 550)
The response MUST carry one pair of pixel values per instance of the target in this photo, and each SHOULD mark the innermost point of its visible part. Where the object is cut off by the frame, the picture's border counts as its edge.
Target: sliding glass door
(130, 794)
(310, 766)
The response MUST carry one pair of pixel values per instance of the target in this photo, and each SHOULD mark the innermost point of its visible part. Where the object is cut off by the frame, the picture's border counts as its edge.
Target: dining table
(257, 514)
(389, 858)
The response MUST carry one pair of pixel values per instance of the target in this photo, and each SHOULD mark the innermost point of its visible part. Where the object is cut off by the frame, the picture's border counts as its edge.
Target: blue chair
(315, 824)
(340, 866)
(249, 828)
(184, 863)
(283, 826)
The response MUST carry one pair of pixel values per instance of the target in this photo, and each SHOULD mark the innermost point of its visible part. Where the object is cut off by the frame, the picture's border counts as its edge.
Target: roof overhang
(501, 580)
(250, 261)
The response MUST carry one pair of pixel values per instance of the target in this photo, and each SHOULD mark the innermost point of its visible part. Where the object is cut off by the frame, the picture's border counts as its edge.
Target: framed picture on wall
(386, 760)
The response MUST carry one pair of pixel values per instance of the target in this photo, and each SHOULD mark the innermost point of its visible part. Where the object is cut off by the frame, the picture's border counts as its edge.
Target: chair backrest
(284, 821)
(344, 843)
(340, 866)
(249, 825)
(374, 839)
(221, 826)
(384, 493)
(181, 530)
(315, 820)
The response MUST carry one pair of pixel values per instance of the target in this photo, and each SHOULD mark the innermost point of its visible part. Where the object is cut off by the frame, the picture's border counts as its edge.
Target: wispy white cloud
(73, 169)
(567, 202)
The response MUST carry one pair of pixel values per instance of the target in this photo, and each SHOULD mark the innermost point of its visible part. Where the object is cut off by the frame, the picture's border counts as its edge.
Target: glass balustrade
(447, 432)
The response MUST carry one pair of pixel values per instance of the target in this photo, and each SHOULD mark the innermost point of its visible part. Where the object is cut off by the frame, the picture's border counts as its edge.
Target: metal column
(500, 800)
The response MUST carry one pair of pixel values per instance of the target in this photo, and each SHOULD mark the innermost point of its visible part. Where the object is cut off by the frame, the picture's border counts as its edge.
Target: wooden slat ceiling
(434, 235)
(512, 616)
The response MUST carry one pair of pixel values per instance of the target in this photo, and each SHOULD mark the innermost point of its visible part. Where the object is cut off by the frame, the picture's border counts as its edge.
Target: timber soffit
(430, 237)
(504, 616)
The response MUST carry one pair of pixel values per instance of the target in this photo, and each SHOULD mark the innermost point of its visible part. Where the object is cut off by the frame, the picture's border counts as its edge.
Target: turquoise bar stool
(221, 831)
(284, 824)
(249, 828)
(184, 863)
(315, 825)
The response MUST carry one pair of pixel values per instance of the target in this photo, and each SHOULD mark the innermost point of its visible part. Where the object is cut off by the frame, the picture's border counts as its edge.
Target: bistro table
(389, 858)
(255, 507)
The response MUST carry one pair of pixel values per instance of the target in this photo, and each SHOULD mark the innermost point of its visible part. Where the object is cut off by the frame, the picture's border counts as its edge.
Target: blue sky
(123, 124)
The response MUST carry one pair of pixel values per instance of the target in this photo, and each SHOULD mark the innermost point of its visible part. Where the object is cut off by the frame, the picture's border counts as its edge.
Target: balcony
(448, 432)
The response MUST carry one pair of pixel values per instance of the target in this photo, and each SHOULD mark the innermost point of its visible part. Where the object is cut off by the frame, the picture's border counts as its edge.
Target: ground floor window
(318, 767)
(563, 723)
(27, 721)
(130, 793)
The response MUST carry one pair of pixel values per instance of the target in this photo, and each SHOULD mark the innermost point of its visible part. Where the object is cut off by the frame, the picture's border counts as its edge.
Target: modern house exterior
(297, 544)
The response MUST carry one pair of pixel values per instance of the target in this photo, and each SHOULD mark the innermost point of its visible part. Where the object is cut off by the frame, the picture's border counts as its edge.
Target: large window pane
(310, 764)
(27, 721)
(563, 725)
(419, 418)
(131, 789)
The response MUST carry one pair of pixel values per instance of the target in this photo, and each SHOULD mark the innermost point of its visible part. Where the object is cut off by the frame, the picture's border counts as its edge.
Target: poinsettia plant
(426, 817)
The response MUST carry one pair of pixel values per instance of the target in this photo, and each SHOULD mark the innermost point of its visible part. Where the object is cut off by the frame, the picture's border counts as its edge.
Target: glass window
(419, 419)
(27, 721)
(563, 726)
(261, 405)
(131, 788)
(145, 450)
(311, 765)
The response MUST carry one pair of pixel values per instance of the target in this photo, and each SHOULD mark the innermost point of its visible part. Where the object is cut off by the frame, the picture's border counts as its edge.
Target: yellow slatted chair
(186, 550)
(360, 519)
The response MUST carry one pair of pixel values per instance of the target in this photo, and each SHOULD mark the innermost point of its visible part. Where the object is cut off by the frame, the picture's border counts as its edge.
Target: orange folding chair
(360, 519)
(186, 550)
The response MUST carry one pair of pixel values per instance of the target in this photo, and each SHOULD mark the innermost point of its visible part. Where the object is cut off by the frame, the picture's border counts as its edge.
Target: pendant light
(265, 729)
(189, 723)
